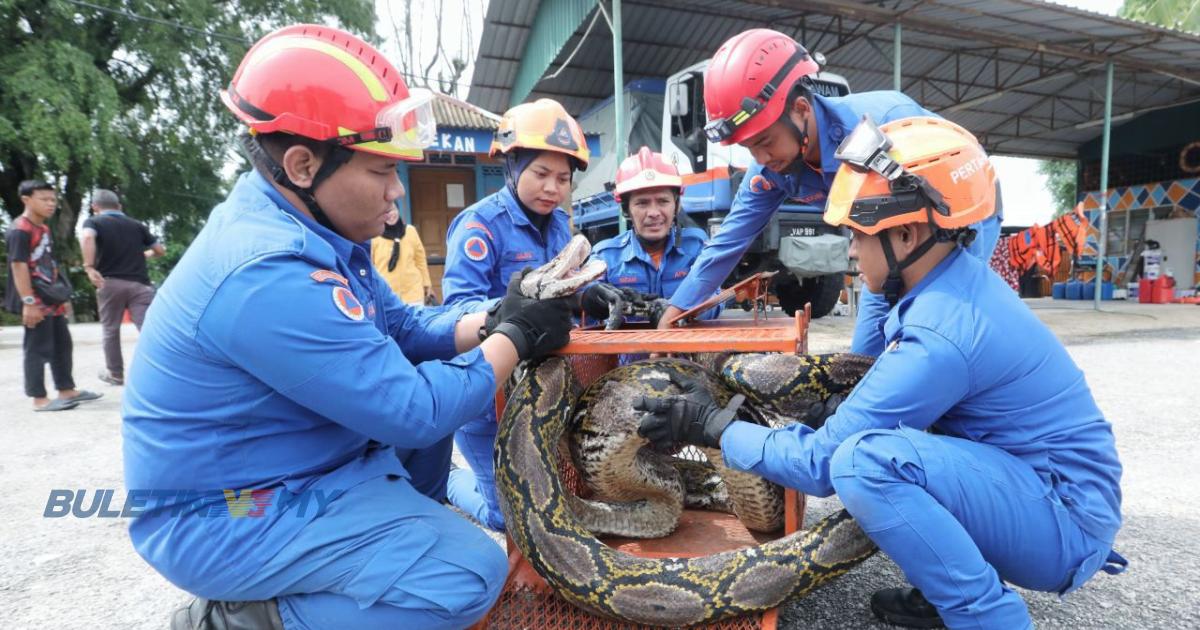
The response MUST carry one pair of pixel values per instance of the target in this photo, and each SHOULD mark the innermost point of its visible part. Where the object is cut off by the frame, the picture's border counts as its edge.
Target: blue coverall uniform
(1020, 483)
(485, 245)
(630, 267)
(275, 358)
(762, 192)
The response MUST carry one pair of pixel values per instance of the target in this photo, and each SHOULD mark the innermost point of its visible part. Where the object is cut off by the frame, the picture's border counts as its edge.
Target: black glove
(540, 328)
(819, 411)
(511, 304)
(688, 418)
(600, 300)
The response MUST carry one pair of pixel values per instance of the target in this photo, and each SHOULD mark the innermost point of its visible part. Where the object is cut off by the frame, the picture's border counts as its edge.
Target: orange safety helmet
(542, 125)
(323, 83)
(747, 83)
(912, 170)
(646, 169)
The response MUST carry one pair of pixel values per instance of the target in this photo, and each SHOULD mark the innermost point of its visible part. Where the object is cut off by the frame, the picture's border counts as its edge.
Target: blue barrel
(1106, 291)
(1074, 290)
(1059, 290)
(1089, 291)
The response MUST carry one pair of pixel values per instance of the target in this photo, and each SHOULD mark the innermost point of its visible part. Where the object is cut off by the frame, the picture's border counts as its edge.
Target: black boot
(208, 614)
(905, 607)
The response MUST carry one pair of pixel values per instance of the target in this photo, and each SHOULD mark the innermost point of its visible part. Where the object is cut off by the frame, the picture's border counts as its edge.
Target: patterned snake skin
(640, 492)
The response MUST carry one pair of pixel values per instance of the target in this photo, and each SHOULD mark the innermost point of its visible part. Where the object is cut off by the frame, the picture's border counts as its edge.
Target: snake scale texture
(553, 528)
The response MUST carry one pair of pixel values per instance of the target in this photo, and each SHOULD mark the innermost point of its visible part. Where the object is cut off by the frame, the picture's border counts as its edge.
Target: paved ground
(1140, 361)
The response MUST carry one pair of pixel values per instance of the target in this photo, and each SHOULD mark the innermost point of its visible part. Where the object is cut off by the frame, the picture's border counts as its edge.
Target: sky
(1026, 200)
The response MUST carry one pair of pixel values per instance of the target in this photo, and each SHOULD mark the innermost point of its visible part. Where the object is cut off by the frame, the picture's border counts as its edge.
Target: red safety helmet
(646, 169)
(323, 83)
(747, 83)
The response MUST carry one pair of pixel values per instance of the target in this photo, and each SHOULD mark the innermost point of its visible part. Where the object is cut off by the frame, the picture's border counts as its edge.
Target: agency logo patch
(561, 136)
(758, 183)
(475, 248)
(349, 305)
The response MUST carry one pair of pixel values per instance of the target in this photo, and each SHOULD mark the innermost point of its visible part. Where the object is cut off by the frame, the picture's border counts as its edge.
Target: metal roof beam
(979, 100)
(874, 13)
(933, 81)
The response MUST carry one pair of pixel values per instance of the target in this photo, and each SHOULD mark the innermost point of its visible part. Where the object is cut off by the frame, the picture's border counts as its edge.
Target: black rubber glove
(599, 300)
(511, 304)
(819, 411)
(539, 328)
(688, 418)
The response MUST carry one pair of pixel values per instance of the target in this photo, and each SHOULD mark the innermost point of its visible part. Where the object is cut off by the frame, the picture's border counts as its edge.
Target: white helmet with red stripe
(644, 170)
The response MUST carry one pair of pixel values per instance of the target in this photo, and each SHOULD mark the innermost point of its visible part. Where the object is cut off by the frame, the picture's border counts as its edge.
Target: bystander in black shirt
(121, 243)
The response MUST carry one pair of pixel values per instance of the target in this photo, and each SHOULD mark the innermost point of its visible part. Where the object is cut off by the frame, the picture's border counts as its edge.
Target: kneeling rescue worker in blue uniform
(1017, 479)
(300, 412)
(758, 93)
(521, 225)
(653, 258)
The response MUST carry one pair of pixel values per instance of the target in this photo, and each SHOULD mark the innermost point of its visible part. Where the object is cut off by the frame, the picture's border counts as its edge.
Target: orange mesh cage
(527, 601)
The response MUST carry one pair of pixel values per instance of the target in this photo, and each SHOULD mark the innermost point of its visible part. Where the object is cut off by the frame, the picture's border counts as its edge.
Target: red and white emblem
(349, 305)
(475, 248)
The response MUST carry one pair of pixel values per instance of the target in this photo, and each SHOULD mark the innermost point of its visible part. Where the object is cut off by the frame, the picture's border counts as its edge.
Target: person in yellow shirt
(400, 258)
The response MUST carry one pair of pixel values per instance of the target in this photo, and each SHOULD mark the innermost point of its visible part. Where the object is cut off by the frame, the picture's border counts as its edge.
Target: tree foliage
(122, 94)
(1181, 15)
(1060, 182)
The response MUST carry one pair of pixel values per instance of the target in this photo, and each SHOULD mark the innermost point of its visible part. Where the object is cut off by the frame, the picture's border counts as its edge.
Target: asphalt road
(1140, 360)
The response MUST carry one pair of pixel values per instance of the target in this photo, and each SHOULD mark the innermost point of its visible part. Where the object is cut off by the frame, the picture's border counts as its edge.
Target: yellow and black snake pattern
(542, 521)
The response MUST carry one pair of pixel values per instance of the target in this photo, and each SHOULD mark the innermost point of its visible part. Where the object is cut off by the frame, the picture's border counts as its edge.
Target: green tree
(1181, 15)
(123, 94)
(1060, 181)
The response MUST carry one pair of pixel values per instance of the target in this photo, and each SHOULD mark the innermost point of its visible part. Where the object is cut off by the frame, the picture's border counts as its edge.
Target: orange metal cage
(527, 601)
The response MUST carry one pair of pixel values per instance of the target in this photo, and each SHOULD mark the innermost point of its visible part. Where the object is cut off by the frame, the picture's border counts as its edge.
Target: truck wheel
(822, 292)
(791, 296)
(825, 292)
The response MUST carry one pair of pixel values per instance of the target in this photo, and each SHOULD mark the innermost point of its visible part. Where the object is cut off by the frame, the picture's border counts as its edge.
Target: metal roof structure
(451, 112)
(1027, 77)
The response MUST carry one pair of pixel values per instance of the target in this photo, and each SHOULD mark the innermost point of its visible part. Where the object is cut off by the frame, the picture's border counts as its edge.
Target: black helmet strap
(336, 157)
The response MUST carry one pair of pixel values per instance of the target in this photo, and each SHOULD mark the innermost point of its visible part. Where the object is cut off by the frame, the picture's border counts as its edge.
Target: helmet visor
(411, 121)
(842, 195)
(866, 149)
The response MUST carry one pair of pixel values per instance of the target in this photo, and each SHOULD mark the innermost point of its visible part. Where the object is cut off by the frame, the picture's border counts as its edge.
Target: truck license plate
(802, 231)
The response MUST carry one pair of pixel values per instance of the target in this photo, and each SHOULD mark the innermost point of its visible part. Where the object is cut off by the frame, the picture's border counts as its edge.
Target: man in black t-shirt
(115, 250)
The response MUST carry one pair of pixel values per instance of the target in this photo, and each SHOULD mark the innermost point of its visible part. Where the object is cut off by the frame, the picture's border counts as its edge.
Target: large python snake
(544, 519)
(640, 492)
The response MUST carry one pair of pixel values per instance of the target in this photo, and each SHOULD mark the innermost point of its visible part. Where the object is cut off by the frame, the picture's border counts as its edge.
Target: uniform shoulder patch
(759, 184)
(349, 305)
(476, 225)
(327, 276)
(475, 248)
